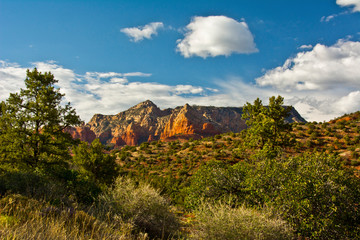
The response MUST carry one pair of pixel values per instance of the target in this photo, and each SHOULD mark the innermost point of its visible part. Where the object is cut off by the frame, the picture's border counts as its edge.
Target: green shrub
(94, 162)
(316, 194)
(215, 180)
(219, 221)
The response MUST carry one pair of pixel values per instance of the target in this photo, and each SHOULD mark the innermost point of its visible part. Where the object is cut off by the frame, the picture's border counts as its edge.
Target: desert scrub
(143, 206)
(220, 221)
(26, 218)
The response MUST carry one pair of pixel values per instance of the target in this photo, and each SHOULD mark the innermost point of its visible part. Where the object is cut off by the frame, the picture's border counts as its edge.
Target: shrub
(316, 194)
(219, 221)
(215, 180)
(94, 162)
(143, 206)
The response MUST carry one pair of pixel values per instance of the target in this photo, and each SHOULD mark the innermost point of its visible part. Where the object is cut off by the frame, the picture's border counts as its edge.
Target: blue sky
(111, 55)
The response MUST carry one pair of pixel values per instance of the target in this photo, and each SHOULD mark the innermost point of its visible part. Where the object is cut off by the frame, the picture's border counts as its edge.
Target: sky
(111, 55)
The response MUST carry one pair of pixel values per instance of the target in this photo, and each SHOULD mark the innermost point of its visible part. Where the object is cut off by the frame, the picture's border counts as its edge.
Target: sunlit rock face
(146, 122)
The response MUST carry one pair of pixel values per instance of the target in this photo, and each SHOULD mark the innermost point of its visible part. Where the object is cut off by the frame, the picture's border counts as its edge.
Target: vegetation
(268, 129)
(220, 221)
(274, 180)
(32, 124)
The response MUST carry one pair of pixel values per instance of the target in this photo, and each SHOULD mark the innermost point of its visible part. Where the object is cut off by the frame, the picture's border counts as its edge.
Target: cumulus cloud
(214, 36)
(355, 4)
(321, 83)
(324, 67)
(139, 33)
(349, 103)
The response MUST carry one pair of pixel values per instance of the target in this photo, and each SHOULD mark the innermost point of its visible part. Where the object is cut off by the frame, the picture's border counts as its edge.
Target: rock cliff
(146, 122)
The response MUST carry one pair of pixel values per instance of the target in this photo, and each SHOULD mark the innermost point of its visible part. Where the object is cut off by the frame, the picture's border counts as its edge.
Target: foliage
(142, 205)
(34, 149)
(219, 221)
(268, 129)
(32, 124)
(215, 180)
(94, 162)
(315, 193)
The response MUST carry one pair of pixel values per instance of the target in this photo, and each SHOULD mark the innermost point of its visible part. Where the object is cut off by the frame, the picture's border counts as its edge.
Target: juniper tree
(268, 129)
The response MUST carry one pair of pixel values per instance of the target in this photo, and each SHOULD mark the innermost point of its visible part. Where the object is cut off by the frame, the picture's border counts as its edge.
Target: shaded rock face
(83, 133)
(146, 122)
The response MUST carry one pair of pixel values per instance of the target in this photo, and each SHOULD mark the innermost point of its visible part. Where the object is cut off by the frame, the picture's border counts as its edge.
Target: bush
(215, 180)
(143, 206)
(95, 163)
(316, 194)
(219, 221)
(56, 184)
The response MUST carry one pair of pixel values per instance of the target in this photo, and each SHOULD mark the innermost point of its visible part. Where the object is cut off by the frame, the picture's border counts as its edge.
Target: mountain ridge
(147, 122)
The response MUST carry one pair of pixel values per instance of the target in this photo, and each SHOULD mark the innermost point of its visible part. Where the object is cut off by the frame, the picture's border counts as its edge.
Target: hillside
(146, 122)
(168, 165)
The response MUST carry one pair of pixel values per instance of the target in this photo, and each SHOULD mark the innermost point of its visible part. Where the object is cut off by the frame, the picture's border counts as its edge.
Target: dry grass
(219, 221)
(144, 207)
(23, 218)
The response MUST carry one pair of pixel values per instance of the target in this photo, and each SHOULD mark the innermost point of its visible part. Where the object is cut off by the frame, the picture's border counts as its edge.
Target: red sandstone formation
(146, 122)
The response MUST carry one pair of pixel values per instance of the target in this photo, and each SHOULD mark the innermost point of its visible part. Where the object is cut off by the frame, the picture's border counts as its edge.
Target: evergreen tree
(32, 123)
(268, 129)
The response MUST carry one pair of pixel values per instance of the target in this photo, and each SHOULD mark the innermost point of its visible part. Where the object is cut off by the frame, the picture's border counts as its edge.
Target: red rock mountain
(146, 122)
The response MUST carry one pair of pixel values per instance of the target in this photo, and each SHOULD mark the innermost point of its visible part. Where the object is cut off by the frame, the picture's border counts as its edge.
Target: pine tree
(32, 123)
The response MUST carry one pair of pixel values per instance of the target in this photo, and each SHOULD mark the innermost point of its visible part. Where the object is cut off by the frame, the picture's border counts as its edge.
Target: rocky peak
(145, 104)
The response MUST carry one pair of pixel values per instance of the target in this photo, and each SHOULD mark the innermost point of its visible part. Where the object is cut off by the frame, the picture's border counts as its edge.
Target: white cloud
(306, 46)
(186, 89)
(349, 103)
(328, 18)
(321, 68)
(214, 36)
(139, 33)
(118, 80)
(350, 3)
(137, 74)
(322, 83)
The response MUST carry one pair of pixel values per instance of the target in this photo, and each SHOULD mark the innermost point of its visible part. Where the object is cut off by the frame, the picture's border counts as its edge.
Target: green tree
(102, 167)
(32, 123)
(268, 129)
